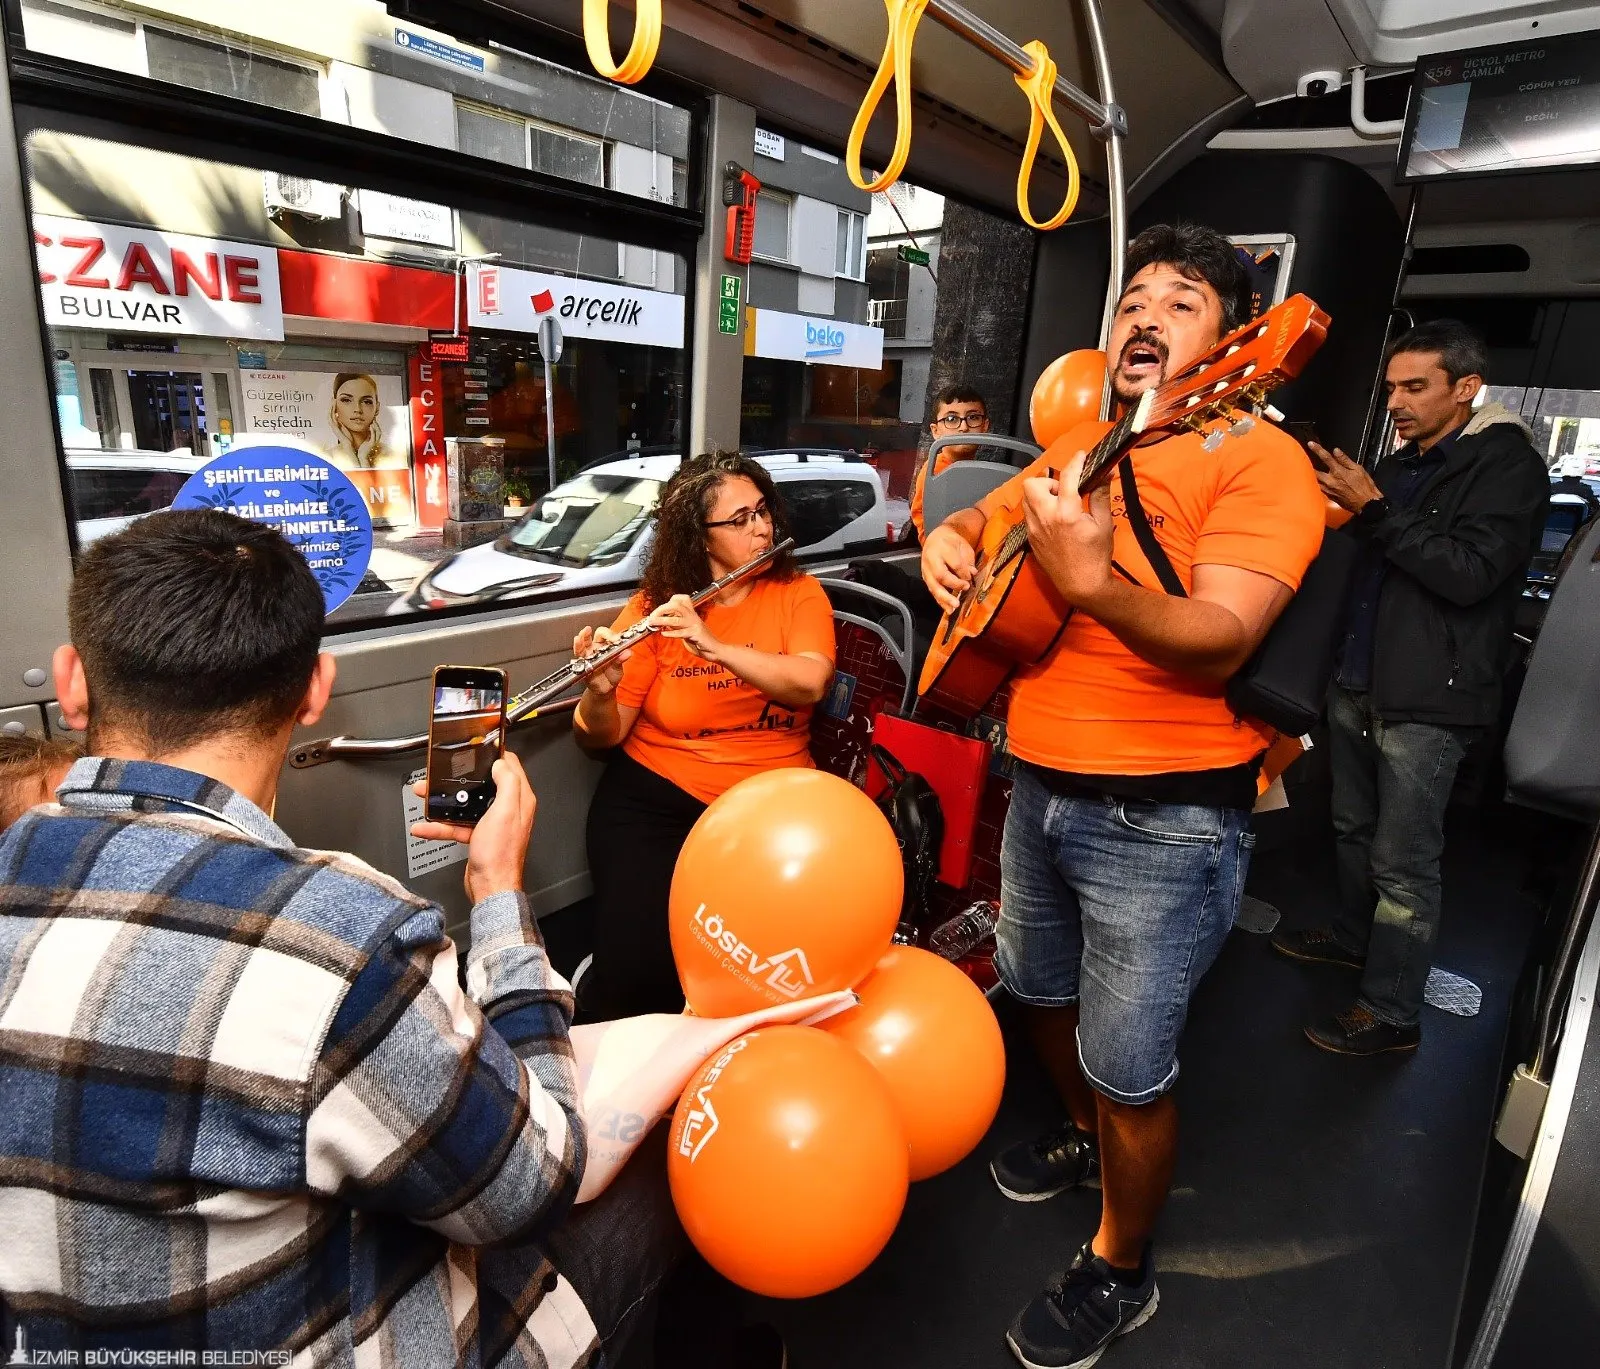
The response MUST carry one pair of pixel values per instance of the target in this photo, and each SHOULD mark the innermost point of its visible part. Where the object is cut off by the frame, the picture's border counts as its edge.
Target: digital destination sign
(1516, 107)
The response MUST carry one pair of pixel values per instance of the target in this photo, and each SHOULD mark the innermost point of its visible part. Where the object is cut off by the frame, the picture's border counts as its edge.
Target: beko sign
(141, 280)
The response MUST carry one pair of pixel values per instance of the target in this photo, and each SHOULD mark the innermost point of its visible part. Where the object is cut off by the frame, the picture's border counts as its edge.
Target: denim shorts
(1119, 906)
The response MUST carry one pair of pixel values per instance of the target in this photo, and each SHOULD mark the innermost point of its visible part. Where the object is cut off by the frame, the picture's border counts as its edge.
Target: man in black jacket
(1448, 527)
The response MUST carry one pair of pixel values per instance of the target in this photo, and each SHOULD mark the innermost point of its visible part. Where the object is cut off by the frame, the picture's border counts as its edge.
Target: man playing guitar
(1127, 840)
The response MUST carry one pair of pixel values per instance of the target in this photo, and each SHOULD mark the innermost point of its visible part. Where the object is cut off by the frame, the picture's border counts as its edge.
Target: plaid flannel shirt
(247, 1105)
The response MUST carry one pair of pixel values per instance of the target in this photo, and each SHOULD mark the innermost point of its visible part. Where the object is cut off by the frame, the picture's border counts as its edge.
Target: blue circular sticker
(302, 494)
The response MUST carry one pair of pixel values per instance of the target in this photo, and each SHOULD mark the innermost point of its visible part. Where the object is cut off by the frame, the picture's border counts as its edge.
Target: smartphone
(1304, 432)
(466, 736)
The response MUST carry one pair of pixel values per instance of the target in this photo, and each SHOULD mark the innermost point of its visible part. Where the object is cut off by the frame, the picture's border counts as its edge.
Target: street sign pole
(550, 344)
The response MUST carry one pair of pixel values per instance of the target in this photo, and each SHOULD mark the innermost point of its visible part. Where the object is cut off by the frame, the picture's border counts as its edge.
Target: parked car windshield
(591, 520)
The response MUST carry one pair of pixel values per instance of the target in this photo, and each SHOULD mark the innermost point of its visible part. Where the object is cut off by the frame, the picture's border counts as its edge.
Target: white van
(112, 488)
(594, 530)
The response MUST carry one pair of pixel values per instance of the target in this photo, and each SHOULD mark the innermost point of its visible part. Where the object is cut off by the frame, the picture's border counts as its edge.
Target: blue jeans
(1391, 783)
(614, 1253)
(1119, 906)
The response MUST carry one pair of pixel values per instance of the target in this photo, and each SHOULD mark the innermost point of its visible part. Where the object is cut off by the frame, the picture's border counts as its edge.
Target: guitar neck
(1107, 450)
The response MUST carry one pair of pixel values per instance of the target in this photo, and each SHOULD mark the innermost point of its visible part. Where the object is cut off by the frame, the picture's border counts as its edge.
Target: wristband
(1373, 512)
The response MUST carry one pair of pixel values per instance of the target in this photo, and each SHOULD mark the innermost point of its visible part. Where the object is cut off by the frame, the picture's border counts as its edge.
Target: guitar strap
(1139, 523)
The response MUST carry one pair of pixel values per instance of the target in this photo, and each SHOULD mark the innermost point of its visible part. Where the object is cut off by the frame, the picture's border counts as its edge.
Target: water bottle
(964, 933)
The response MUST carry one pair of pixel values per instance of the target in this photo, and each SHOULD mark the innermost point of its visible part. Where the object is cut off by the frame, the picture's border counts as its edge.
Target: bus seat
(888, 618)
(1552, 753)
(869, 678)
(960, 486)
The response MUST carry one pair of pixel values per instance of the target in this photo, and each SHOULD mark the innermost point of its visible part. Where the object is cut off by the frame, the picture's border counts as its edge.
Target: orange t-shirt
(919, 483)
(1092, 706)
(700, 725)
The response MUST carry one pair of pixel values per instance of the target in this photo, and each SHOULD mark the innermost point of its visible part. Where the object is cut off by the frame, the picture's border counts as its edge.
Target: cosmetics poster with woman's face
(358, 420)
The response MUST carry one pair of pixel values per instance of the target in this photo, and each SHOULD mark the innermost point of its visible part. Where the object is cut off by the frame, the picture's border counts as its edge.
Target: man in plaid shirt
(247, 1105)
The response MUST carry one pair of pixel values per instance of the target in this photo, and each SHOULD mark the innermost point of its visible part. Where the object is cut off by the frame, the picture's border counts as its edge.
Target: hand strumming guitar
(948, 564)
(1071, 541)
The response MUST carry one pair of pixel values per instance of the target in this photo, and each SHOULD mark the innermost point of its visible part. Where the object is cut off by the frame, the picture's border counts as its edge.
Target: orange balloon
(930, 1032)
(787, 1162)
(1066, 394)
(789, 885)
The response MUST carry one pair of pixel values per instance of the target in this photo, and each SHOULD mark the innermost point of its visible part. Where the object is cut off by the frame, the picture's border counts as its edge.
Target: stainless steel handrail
(1579, 917)
(1000, 440)
(902, 653)
(325, 749)
(986, 38)
(1106, 118)
(538, 699)
(1114, 130)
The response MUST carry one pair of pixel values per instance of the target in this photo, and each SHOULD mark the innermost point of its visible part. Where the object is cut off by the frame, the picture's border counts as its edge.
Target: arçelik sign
(510, 298)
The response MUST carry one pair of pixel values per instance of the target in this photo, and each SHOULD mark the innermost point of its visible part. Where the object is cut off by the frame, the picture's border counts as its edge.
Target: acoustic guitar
(1011, 615)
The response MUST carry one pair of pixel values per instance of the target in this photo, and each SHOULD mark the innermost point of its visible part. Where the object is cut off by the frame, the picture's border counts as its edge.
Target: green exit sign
(913, 256)
(728, 305)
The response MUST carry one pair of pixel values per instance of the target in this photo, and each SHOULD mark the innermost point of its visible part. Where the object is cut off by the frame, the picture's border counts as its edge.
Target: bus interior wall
(1348, 240)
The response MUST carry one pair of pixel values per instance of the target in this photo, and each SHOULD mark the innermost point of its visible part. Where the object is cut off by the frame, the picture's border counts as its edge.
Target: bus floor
(1323, 1206)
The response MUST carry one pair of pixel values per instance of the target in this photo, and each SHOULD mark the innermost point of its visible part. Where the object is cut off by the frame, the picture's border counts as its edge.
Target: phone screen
(466, 735)
(1303, 431)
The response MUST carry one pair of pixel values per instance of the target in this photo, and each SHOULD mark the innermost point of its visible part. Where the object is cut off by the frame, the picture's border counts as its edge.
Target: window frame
(506, 116)
(602, 145)
(854, 225)
(52, 93)
(787, 200)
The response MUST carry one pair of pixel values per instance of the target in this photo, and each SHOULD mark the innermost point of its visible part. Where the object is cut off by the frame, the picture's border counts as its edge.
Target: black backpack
(1285, 683)
(914, 812)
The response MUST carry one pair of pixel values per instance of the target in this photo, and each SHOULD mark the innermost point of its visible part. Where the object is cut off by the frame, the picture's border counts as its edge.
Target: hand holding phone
(497, 846)
(466, 736)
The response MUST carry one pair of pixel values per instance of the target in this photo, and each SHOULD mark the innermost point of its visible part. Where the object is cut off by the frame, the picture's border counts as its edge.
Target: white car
(112, 488)
(594, 530)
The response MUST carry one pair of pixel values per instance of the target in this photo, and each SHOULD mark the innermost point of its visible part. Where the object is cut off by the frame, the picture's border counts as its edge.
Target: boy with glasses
(957, 409)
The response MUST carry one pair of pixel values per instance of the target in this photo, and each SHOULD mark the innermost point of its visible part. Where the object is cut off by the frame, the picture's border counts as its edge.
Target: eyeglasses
(953, 421)
(742, 520)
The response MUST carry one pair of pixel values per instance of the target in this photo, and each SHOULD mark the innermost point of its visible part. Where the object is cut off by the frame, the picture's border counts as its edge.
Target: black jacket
(1457, 561)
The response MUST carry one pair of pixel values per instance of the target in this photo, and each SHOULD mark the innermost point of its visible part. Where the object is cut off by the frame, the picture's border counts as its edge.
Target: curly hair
(678, 562)
(1201, 254)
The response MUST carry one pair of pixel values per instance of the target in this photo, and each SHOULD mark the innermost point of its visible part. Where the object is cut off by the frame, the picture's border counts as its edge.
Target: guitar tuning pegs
(1213, 440)
(1243, 426)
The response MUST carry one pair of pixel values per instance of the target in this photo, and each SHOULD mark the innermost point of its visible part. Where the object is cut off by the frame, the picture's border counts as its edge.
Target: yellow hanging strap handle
(896, 66)
(641, 52)
(1039, 86)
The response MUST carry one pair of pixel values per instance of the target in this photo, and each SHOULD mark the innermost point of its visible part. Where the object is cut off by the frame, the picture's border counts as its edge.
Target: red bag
(956, 769)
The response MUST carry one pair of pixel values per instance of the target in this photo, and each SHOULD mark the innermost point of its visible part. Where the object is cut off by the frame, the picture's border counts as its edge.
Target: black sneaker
(1355, 1031)
(1031, 1171)
(1315, 944)
(1069, 1325)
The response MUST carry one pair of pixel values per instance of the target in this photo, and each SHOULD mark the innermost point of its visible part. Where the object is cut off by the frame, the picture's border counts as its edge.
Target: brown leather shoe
(1315, 944)
(1355, 1031)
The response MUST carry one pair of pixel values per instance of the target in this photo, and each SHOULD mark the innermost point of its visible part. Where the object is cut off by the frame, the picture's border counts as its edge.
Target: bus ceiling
(806, 64)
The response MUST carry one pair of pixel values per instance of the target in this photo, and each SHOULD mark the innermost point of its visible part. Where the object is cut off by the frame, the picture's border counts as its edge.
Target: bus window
(209, 318)
(359, 65)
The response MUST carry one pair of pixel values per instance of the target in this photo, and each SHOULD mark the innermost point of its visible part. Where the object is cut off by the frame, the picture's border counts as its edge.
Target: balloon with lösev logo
(932, 1036)
(789, 885)
(787, 1163)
